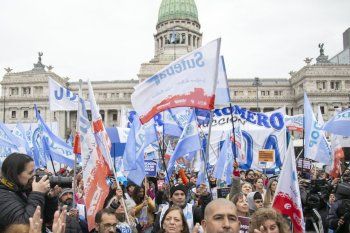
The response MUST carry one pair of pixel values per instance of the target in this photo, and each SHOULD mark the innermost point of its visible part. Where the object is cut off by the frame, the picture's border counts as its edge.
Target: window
(26, 90)
(335, 85)
(25, 114)
(38, 90)
(14, 91)
(13, 114)
(265, 93)
(322, 109)
(115, 117)
(277, 93)
(321, 85)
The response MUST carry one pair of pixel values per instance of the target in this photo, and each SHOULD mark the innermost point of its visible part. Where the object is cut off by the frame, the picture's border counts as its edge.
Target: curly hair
(184, 223)
(263, 214)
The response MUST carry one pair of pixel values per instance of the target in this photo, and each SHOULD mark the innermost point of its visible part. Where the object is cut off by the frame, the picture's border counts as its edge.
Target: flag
(224, 165)
(95, 170)
(294, 123)
(20, 133)
(140, 136)
(339, 124)
(53, 145)
(118, 137)
(238, 147)
(175, 120)
(334, 169)
(61, 98)
(287, 198)
(222, 92)
(189, 81)
(188, 142)
(169, 151)
(316, 145)
(9, 139)
(102, 139)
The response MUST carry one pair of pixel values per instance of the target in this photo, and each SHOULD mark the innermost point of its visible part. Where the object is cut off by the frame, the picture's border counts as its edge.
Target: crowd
(29, 203)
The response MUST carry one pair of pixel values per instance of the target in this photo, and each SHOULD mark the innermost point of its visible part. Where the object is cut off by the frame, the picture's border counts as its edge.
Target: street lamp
(257, 83)
(4, 115)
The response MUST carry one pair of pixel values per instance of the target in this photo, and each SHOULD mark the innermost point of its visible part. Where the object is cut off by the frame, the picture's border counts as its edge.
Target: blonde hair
(269, 195)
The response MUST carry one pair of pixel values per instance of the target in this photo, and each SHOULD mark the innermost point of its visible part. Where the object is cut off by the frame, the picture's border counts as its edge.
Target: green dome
(177, 9)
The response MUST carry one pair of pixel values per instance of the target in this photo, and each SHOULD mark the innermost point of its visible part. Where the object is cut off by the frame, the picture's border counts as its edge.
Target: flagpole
(234, 134)
(75, 157)
(303, 157)
(162, 148)
(205, 157)
(205, 168)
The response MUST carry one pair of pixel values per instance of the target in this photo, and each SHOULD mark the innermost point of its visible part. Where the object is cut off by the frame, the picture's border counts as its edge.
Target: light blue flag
(339, 124)
(175, 120)
(8, 136)
(224, 165)
(188, 142)
(53, 145)
(20, 133)
(316, 145)
(140, 136)
(38, 148)
(222, 92)
(139, 173)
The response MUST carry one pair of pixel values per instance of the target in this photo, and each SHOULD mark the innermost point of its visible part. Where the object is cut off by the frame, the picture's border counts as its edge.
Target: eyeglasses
(108, 225)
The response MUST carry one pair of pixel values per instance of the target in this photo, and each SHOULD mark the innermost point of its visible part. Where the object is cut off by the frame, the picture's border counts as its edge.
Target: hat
(65, 191)
(178, 187)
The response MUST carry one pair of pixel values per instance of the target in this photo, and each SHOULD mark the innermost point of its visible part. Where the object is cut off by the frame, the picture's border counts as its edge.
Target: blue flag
(224, 165)
(339, 124)
(316, 145)
(188, 142)
(222, 92)
(53, 145)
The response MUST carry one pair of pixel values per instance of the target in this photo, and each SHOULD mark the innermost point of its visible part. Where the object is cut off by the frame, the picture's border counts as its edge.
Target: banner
(259, 131)
(61, 98)
(151, 168)
(339, 124)
(190, 81)
(294, 123)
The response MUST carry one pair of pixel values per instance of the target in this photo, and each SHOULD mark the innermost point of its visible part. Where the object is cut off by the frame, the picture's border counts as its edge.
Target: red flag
(287, 199)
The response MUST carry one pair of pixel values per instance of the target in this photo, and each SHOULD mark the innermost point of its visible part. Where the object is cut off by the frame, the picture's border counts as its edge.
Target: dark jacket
(17, 207)
(197, 211)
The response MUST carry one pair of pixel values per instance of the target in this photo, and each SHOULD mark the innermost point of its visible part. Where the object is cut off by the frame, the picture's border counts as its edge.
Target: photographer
(339, 214)
(20, 193)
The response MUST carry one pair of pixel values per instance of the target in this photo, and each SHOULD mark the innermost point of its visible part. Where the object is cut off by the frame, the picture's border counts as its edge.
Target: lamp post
(257, 83)
(4, 115)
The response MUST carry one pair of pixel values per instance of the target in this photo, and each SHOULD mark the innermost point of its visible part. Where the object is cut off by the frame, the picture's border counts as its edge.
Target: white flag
(190, 81)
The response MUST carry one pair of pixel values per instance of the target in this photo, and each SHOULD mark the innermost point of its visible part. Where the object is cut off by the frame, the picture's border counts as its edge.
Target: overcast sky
(109, 39)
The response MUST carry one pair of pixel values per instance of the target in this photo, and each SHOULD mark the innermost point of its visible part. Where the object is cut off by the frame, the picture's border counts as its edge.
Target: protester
(255, 201)
(106, 221)
(20, 193)
(270, 193)
(268, 220)
(240, 201)
(259, 186)
(192, 213)
(174, 221)
(144, 208)
(250, 176)
(220, 216)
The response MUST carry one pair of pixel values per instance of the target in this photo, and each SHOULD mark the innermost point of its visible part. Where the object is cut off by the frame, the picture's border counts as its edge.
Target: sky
(109, 39)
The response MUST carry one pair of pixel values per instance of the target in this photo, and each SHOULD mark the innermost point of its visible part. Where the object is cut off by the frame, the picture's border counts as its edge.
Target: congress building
(178, 31)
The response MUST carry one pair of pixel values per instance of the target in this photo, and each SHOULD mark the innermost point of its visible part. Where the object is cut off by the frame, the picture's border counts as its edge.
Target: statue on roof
(8, 70)
(320, 45)
(40, 55)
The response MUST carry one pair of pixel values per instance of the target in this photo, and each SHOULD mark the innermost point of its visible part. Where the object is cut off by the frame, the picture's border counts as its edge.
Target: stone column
(106, 117)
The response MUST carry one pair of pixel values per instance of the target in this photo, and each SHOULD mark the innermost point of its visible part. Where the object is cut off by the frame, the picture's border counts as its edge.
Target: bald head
(220, 215)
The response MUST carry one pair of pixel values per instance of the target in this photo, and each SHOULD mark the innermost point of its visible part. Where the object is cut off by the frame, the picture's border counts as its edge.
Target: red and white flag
(95, 170)
(287, 199)
(189, 81)
(101, 136)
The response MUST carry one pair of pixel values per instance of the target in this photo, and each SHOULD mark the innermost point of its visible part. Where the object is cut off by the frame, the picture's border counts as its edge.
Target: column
(106, 117)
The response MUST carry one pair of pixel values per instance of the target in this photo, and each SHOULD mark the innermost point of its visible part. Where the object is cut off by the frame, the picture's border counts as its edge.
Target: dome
(177, 9)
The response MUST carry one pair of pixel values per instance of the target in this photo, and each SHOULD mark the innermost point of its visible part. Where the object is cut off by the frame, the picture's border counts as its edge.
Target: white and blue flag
(224, 165)
(53, 145)
(316, 145)
(339, 124)
(222, 92)
(188, 142)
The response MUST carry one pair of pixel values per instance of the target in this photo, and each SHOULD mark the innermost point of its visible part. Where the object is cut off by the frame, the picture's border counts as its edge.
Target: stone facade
(327, 84)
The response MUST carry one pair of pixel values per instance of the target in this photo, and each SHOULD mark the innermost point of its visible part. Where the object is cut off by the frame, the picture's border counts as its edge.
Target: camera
(114, 205)
(63, 182)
